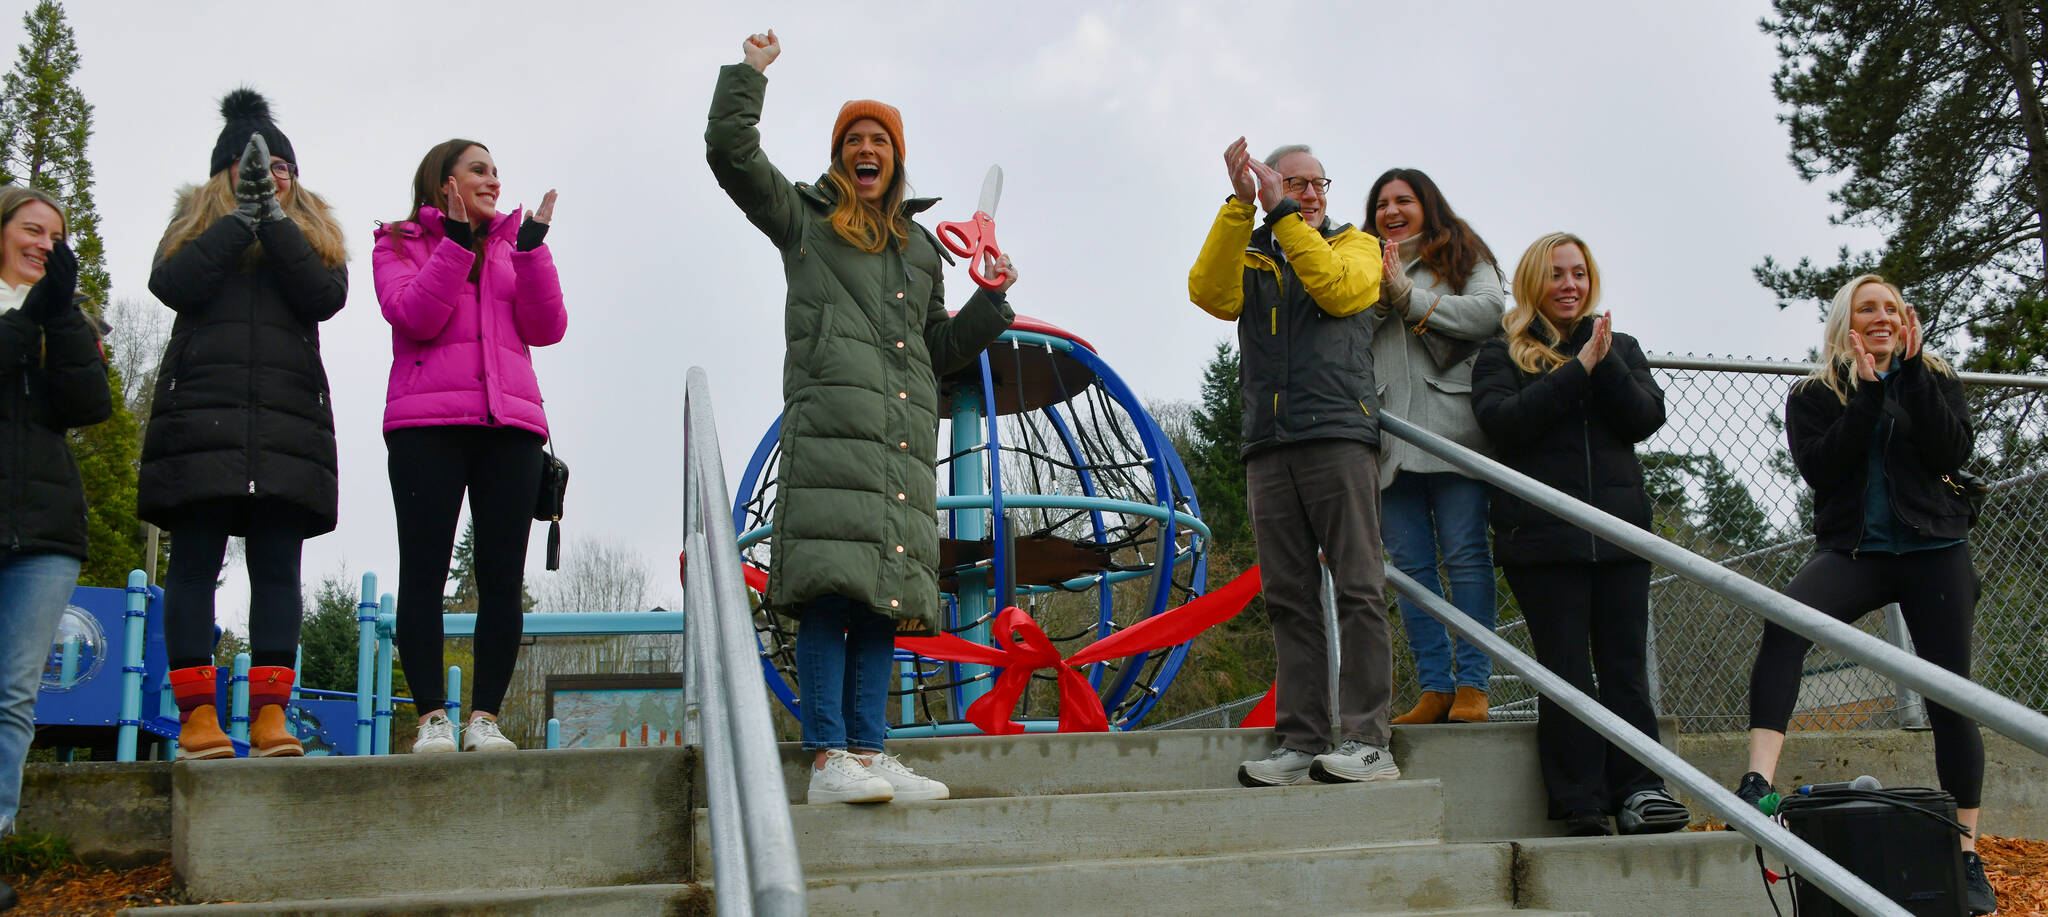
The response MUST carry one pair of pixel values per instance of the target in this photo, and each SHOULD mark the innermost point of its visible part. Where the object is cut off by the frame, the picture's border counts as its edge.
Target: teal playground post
(454, 702)
(386, 626)
(554, 733)
(366, 648)
(970, 479)
(238, 700)
(132, 669)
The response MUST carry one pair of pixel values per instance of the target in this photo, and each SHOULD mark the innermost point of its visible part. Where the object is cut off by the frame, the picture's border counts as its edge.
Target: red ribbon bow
(1022, 648)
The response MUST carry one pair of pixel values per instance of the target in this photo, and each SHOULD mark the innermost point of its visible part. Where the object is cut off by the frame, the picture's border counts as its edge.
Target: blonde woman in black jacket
(51, 379)
(1565, 400)
(1880, 431)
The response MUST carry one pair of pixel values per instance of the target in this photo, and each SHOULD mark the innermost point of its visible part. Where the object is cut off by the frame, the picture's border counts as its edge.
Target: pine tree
(1214, 467)
(1930, 116)
(327, 641)
(45, 124)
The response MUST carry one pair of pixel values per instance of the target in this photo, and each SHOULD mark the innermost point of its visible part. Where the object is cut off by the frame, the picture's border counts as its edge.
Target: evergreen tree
(1213, 465)
(1930, 114)
(462, 572)
(327, 641)
(45, 123)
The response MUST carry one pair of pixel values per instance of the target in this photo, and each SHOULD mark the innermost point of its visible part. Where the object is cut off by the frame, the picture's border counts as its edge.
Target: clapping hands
(1597, 347)
(255, 191)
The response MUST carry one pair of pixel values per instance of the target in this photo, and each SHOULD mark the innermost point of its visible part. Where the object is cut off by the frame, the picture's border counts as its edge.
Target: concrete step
(846, 840)
(1381, 880)
(1492, 787)
(301, 828)
(622, 901)
(1687, 874)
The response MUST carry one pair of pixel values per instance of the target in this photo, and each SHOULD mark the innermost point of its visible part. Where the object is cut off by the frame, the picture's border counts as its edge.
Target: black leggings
(1936, 591)
(273, 534)
(1585, 618)
(430, 468)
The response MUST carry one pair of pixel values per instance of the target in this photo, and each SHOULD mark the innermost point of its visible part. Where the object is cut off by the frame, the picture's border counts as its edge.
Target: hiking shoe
(1754, 789)
(1651, 812)
(845, 779)
(1977, 893)
(437, 735)
(1586, 823)
(1354, 761)
(481, 734)
(907, 785)
(1281, 767)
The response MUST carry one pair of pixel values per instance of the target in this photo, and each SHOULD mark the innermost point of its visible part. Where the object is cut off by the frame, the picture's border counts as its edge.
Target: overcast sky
(1647, 128)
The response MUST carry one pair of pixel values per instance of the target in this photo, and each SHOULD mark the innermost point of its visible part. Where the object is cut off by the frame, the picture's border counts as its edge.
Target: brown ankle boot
(200, 735)
(270, 688)
(1470, 707)
(1429, 708)
(271, 737)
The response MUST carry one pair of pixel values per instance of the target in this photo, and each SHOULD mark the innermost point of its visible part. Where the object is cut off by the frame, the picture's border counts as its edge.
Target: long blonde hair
(1837, 367)
(866, 226)
(200, 206)
(1533, 353)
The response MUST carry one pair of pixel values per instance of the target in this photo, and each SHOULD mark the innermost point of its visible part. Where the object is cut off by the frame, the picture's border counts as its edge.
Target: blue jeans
(34, 588)
(844, 654)
(1422, 515)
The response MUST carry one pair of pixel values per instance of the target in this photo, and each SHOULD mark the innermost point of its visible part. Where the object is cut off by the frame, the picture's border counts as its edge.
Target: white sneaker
(1280, 767)
(1353, 762)
(845, 779)
(437, 735)
(481, 734)
(908, 786)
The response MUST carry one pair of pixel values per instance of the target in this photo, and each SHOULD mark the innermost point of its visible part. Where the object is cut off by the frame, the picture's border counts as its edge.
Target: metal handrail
(2000, 713)
(753, 841)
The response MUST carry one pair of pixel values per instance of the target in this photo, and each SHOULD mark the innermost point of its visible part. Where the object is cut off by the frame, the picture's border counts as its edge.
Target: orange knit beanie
(891, 119)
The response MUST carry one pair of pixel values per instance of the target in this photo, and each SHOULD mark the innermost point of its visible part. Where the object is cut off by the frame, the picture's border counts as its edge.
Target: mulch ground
(86, 891)
(2018, 870)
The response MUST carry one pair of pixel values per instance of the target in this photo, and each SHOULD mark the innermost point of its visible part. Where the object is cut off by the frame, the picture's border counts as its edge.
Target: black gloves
(531, 233)
(54, 293)
(255, 191)
(459, 231)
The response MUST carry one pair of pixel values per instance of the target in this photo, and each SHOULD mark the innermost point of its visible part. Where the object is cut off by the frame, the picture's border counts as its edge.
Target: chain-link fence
(1723, 486)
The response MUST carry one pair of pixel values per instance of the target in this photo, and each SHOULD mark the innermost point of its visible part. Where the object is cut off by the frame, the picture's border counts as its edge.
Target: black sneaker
(1977, 893)
(1586, 823)
(1754, 789)
(1651, 812)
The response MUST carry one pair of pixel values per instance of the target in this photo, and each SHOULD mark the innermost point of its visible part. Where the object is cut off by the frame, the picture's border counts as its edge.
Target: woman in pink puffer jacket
(468, 293)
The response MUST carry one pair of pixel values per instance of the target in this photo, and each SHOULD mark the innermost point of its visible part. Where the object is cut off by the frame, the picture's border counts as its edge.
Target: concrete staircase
(1108, 824)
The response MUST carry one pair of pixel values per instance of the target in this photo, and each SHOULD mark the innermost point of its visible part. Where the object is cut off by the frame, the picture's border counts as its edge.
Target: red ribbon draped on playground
(1023, 648)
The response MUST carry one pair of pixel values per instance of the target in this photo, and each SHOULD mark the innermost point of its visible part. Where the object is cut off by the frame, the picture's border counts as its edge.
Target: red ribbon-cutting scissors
(975, 239)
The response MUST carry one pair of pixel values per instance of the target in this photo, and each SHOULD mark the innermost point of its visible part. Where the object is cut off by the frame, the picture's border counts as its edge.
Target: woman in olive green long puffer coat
(855, 520)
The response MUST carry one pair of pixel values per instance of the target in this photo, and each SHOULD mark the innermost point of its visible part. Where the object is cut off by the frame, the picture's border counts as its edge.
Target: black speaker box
(1910, 858)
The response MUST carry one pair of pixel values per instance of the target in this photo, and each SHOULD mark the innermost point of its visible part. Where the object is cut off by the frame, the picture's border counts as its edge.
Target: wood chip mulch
(2018, 869)
(87, 891)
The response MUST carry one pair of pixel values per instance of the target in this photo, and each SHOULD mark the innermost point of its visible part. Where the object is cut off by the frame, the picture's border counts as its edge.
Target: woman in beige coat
(1441, 298)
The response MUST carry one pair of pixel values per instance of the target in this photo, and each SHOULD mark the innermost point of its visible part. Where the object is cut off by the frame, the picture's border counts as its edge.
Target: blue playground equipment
(86, 701)
(1087, 521)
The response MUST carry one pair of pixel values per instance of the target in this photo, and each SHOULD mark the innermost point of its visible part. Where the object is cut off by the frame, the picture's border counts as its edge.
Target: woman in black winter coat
(1565, 400)
(1880, 432)
(51, 379)
(241, 440)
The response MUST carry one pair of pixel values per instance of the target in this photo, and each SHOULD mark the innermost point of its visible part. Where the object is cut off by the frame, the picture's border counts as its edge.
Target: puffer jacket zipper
(249, 406)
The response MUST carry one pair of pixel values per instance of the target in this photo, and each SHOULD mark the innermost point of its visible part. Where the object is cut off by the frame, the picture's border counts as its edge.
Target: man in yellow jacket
(1298, 285)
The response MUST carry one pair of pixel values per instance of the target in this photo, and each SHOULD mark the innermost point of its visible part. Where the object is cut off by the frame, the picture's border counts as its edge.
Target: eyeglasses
(282, 169)
(1298, 185)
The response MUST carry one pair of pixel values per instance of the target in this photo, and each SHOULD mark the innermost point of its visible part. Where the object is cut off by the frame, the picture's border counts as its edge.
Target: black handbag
(547, 505)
